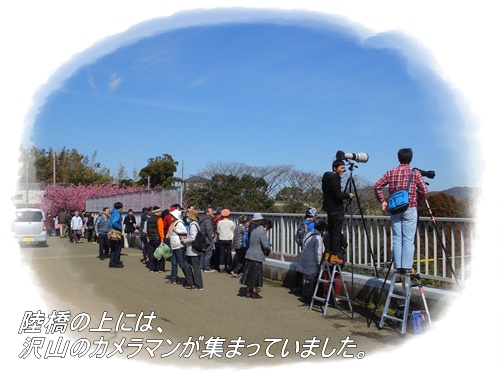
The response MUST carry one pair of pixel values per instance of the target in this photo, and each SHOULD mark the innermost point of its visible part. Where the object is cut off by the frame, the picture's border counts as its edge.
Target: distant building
(194, 182)
(28, 196)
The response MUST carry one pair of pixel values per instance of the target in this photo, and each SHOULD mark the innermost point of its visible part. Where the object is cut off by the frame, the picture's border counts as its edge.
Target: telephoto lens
(360, 157)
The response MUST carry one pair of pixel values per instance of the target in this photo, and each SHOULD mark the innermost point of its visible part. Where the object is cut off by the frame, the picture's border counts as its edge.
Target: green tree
(70, 167)
(159, 172)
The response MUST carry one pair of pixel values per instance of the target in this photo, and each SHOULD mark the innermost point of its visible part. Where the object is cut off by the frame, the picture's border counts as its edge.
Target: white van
(30, 226)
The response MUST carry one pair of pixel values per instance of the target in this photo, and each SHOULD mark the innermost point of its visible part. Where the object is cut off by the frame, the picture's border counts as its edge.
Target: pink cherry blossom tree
(57, 197)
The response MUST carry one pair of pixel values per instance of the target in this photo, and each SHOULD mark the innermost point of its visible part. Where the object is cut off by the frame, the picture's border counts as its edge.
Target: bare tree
(292, 190)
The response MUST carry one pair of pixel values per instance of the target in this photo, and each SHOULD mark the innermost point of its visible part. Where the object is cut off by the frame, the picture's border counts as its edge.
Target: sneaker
(188, 286)
(209, 270)
(234, 274)
(195, 288)
(170, 281)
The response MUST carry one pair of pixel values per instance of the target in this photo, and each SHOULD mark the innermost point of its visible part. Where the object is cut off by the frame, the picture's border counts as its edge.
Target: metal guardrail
(370, 243)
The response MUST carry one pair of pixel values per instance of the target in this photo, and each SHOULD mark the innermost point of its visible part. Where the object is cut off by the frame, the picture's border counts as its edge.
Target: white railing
(370, 243)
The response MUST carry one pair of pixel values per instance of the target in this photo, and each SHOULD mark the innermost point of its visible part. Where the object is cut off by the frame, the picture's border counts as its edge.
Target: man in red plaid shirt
(404, 224)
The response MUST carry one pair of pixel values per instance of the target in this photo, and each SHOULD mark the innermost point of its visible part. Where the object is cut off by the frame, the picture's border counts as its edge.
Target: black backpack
(302, 230)
(199, 241)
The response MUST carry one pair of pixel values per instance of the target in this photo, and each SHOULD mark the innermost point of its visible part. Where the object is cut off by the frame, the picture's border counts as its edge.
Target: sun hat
(257, 216)
(193, 215)
(225, 212)
(176, 213)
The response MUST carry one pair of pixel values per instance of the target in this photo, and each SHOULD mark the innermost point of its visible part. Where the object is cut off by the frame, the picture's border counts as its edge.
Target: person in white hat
(177, 233)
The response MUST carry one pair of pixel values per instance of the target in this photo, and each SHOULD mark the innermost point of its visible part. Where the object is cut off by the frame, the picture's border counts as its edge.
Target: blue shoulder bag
(399, 201)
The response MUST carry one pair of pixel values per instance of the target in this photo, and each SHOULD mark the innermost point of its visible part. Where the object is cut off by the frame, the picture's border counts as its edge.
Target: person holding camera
(333, 204)
(404, 224)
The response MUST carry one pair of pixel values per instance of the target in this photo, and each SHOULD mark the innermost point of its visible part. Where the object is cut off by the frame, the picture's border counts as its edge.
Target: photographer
(333, 204)
(404, 224)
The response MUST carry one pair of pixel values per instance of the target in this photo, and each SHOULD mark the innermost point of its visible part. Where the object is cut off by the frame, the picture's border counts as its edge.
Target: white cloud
(114, 82)
(90, 80)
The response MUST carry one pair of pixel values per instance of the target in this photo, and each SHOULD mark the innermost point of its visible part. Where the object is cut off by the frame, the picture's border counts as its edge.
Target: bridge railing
(370, 243)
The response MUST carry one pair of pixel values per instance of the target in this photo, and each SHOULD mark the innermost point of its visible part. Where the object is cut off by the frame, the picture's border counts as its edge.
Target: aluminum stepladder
(408, 281)
(329, 269)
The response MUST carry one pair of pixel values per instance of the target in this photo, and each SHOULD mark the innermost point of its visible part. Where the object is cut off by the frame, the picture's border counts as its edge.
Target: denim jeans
(404, 226)
(178, 259)
(206, 257)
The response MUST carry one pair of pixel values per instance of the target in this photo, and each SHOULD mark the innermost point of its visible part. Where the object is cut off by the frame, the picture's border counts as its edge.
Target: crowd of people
(228, 249)
(240, 249)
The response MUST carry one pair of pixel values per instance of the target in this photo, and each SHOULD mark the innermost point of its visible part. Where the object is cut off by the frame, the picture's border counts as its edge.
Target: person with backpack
(192, 270)
(208, 230)
(177, 233)
(310, 258)
(306, 225)
(240, 244)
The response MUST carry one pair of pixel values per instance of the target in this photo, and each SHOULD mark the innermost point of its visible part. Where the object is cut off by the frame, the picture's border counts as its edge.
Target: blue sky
(259, 93)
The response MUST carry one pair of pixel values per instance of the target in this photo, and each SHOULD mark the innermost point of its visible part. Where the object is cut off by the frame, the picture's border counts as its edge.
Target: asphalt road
(74, 279)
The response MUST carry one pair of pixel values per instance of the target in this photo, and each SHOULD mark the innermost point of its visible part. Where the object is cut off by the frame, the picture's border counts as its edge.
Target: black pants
(225, 256)
(335, 227)
(90, 235)
(155, 264)
(103, 242)
(240, 258)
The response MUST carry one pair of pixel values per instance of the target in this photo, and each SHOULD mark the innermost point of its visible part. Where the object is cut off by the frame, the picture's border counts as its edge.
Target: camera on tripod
(360, 157)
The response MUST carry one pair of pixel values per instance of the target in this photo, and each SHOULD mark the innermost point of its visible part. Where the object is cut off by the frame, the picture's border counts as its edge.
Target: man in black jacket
(333, 204)
(129, 223)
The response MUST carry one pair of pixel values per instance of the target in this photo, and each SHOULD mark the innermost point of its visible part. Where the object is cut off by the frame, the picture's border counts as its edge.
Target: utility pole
(182, 182)
(54, 167)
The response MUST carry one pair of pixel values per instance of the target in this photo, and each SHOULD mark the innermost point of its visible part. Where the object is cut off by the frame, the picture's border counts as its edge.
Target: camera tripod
(351, 188)
(441, 241)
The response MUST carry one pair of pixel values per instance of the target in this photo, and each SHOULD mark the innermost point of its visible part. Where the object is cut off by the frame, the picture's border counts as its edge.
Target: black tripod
(441, 241)
(351, 188)
(380, 293)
